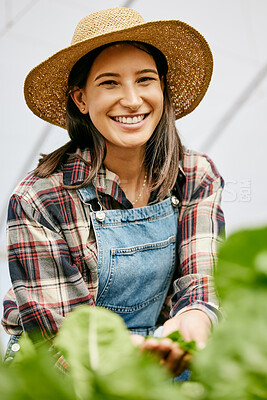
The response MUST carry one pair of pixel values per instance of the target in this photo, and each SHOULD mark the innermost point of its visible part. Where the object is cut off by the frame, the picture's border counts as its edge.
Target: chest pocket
(137, 276)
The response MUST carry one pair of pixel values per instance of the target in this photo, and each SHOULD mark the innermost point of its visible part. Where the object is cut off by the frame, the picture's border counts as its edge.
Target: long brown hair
(163, 149)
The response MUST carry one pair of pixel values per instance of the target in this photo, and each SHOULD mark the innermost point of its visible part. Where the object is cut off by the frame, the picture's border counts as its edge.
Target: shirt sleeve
(201, 229)
(46, 282)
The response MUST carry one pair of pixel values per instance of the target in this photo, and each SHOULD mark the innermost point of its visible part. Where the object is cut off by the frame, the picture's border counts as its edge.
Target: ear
(78, 97)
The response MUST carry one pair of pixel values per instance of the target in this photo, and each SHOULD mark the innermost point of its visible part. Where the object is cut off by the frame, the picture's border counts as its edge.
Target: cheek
(157, 97)
(159, 103)
(95, 110)
(100, 105)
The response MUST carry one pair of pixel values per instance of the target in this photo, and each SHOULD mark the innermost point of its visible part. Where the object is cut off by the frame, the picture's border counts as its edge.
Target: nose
(131, 98)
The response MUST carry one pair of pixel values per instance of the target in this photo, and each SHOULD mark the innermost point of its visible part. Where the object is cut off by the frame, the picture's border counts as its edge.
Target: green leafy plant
(234, 364)
(103, 361)
(104, 364)
(32, 375)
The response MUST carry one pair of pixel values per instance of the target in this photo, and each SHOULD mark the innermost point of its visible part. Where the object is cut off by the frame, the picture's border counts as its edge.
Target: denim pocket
(138, 276)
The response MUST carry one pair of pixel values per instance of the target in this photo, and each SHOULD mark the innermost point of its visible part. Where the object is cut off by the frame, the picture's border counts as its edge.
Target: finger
(174, 360)
(137, 340)
(160, 348)
(166, 342)
(166, 347)
(183, 365)
(150, 344)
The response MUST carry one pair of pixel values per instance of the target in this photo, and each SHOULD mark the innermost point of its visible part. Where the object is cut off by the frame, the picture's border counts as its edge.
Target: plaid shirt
(53, 254)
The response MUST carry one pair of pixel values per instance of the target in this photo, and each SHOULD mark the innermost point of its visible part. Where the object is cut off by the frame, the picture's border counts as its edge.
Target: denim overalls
(136, 259)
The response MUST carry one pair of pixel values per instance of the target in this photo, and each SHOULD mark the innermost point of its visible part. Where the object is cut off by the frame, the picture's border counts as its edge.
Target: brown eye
(146, 79)
(108, 83)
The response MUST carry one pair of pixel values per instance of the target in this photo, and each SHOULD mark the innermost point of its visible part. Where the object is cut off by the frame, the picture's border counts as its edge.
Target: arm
(194, 303)
(200, 231)
(46, 282)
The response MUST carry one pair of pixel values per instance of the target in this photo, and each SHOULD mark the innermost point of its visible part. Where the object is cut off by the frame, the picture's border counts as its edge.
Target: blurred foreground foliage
(234, 364)
(105, 365)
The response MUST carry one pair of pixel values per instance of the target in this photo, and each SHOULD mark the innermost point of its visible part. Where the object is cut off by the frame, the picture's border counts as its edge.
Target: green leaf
(176, 336)
(89, 339)
(189, 346)
(32, 375)
(242, 262)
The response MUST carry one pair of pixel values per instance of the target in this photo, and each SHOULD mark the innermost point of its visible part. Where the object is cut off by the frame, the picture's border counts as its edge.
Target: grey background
(229, 124)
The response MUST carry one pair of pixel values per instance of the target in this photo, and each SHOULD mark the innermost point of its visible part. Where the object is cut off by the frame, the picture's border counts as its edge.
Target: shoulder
(201, 174)
(53, 198)
(199, 164)
(33, 187)
(41, 201)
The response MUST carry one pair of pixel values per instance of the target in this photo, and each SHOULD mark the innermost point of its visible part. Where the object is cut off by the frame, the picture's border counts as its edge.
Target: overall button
(174, 201)
(100, 216)
(15, 347)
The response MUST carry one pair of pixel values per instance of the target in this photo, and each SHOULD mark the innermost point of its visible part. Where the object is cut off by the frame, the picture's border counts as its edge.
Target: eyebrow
(108, 74)
(154, 71)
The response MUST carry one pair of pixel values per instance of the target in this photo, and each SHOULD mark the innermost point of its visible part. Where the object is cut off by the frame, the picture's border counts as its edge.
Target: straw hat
(187, 52)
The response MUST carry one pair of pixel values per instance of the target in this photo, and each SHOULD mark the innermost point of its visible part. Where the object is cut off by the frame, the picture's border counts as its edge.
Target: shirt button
(174, 201)
(15, 347)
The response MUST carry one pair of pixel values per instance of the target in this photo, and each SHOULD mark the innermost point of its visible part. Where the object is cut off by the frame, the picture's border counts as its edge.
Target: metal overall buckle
(99, 215)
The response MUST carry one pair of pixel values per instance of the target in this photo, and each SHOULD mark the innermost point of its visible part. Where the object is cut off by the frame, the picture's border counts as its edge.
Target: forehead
(120, 54)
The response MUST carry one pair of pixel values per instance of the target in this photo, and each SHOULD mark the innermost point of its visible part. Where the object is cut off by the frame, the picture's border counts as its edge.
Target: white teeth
(130, 120)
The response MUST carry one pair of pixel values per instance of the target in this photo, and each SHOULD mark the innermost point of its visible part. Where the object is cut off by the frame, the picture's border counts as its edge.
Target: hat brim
(188, 55)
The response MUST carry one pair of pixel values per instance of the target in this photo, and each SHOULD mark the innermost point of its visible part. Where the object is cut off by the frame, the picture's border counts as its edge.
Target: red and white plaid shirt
(53, 254)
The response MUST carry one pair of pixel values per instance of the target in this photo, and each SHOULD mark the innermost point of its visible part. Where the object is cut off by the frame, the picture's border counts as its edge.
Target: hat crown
(106, 21)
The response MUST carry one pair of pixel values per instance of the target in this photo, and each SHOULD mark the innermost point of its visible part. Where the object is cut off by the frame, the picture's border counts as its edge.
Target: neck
(129, 166)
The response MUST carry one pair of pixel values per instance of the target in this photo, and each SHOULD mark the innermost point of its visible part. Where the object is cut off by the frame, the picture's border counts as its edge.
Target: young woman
(122, 216)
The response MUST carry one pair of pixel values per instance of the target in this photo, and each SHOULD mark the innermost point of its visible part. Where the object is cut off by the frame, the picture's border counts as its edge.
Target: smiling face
(123, 96)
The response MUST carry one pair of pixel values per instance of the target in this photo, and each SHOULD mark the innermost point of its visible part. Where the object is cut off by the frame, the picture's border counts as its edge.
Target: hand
(170, 354)
(193, 325)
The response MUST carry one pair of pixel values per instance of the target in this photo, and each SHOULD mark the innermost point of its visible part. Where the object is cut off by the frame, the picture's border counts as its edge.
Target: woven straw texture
(187, 52)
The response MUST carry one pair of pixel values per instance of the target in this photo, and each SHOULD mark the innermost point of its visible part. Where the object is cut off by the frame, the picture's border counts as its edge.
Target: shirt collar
(77, 168)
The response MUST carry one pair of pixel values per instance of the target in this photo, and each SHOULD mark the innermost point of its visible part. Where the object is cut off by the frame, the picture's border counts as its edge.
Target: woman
(122, 216)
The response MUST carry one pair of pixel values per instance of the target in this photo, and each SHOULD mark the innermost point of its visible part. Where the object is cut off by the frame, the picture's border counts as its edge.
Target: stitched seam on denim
(143, 247)
(129, 309)
(119, 223)
(108, 281)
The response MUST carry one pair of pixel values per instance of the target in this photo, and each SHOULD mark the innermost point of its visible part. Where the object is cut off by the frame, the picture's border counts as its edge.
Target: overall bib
(136, 259)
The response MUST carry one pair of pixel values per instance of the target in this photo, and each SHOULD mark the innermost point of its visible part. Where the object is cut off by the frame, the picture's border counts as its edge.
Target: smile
(130, 120)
